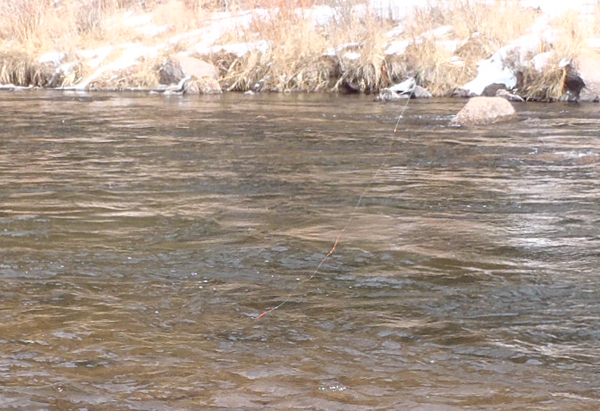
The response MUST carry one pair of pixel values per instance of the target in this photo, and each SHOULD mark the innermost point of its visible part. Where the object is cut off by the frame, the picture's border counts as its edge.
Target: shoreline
(442, 49)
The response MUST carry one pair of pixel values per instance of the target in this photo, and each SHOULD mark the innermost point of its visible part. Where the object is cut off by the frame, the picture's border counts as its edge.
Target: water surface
(141, 237)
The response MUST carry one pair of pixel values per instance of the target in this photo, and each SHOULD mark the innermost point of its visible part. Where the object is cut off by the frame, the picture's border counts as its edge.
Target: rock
(170, 72)
(573, 85)
(572, 82)
(197, 68)
(461, 93)
(204, 85)
(509, 96)
(484, 110)
(192, 75)
(587, 66)
(492, 89)
(408, 88)
(421, 92)
(387, 94)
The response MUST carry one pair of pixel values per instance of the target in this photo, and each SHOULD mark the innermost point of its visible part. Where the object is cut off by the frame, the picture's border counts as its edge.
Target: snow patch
(129, 57)
(493, 70)
(53, 57)
(240, 49)
(397, 47)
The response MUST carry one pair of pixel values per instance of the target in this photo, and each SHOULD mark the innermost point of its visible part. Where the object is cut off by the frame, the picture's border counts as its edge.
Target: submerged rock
(484, 110)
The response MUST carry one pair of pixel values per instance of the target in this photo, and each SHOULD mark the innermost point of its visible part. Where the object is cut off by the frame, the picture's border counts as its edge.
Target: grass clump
(443, 59)
(290, 56)
(571, 31)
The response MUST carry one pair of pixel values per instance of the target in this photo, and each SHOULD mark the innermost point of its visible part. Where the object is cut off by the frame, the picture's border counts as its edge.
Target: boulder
(204, 85)
(407, 89)
(509, 96)
(484, 110)
(197, 68)
(192, 75)
(387, 94)
(492, 89)
(170, 72)
(587, 66)
(421, 92)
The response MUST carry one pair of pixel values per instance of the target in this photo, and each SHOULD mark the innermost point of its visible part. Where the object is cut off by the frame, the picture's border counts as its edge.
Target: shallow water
(141, 237)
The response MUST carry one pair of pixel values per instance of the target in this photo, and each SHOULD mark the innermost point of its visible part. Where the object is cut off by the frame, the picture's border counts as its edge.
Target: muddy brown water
(141, 236)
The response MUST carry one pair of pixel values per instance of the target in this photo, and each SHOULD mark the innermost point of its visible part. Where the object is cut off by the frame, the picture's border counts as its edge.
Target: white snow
(493, 70)
(398, 47)
(53, 57)
(240, 49)
(351, 55)
(556, 7)
(540, 61)
(334, 51)
(593, 43)
(95, 57)
(407, 86)
(207, 39)
(130, 57)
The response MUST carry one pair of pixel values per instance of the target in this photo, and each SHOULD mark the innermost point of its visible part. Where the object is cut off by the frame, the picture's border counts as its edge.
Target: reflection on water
(140, 237)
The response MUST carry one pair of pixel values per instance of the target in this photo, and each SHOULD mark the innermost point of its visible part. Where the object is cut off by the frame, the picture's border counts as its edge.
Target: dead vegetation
(445, 39)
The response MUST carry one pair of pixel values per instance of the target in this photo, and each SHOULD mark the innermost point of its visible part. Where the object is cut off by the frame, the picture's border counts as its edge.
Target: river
(142, 236)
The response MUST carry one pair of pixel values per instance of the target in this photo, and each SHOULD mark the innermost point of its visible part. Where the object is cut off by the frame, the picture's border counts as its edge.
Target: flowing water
(142, 236)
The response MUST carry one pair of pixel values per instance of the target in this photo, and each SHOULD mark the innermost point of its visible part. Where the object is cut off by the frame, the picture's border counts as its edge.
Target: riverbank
(454, 47)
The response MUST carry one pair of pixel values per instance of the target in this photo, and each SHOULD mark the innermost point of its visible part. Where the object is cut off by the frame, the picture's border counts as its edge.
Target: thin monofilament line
(348, 221)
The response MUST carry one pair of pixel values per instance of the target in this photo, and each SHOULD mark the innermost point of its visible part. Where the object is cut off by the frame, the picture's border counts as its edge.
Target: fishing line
(350, 218)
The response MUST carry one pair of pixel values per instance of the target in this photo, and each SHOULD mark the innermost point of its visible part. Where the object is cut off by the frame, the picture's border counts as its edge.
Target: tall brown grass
(479, 30)
(348, 53)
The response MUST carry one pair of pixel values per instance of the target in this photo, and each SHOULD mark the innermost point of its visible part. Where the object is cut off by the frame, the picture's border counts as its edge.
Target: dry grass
(299, 55)
(479, 30)
(366, 68)
(572, 31)
(143, 75)
(293, 60)
(19, 69)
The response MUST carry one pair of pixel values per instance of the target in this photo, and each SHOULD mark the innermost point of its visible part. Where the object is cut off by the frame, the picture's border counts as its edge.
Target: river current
(142, 236)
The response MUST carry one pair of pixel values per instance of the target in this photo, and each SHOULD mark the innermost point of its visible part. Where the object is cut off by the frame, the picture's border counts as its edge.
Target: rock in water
(387, 94)
(484, 110)
(509, 96)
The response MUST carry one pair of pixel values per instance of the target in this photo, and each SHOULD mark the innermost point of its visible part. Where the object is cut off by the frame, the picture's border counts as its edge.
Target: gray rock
(492, 89)
(170, 72)
(387, 94)
(406, 87)
(509, 96)
(421, 92)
